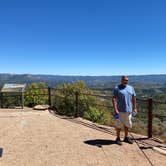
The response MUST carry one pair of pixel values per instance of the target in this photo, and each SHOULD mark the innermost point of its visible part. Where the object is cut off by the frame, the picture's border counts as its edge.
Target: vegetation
(11, 100)
(88, 105)
(157, 82)
(36, 94)
(97, 115)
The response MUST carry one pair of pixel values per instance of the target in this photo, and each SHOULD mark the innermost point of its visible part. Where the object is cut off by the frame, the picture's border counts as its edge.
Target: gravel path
(37, 138)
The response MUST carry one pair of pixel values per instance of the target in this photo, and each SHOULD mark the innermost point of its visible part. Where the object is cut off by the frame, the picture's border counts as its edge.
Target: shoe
(118, 141)
(128, 140)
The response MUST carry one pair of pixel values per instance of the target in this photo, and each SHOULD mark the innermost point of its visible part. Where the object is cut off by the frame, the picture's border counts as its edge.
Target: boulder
(41, 107)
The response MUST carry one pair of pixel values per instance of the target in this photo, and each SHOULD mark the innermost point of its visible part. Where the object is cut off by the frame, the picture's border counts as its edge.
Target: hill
(90, 80)
(145, 85)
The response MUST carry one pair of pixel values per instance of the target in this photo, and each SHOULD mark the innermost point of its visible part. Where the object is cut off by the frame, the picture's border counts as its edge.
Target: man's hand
(135, 110)
(115, 105)
(116, 111)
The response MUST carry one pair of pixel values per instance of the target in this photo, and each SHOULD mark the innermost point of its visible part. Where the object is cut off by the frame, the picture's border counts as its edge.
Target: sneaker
(118, 141)
(128, 140)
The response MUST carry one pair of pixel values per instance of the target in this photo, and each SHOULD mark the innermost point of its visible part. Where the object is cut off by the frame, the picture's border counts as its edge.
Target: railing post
(1, 99)
(76, 104)
(22, 99)
(150, 117)
(49, 97)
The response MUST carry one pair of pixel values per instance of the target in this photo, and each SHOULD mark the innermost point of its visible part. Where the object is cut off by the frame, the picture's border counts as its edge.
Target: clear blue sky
(83, 37)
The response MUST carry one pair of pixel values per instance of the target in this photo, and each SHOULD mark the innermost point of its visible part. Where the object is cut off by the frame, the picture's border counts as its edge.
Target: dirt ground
(39, 138)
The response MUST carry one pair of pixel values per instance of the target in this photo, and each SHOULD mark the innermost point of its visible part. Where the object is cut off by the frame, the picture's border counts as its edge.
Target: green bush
(97, 115)
(64, 99)
(36, 94)
(10, 100)
(89, 108)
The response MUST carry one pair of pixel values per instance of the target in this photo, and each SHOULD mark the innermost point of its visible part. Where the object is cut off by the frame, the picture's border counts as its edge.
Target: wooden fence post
(76, 104)
(150, 117)
(0, 100)
(22, 99)
(1, 97)
(49, 97)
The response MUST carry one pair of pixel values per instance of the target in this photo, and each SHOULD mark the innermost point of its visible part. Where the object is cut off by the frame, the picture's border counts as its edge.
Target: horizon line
(76, 75)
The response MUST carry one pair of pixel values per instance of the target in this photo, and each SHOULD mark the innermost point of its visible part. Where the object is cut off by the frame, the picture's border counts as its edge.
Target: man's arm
(134, 103)
(114, 102)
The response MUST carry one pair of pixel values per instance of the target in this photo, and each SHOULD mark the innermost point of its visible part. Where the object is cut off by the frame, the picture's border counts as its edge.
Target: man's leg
(118, 141)
(118, 126)
(127, 125)
(127, 138)
(118, 132)
(126, 131)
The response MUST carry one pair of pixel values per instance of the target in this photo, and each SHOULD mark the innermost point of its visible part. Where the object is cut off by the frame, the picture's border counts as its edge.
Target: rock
(41, 107)
(162, 151)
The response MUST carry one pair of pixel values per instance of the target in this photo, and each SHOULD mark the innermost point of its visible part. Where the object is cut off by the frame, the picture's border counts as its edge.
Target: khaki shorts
(124, 120)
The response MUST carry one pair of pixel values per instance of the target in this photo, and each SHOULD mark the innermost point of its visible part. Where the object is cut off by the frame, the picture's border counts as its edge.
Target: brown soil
(38, 138)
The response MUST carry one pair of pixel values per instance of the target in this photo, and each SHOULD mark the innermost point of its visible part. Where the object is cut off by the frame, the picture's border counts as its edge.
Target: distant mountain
(91, 81)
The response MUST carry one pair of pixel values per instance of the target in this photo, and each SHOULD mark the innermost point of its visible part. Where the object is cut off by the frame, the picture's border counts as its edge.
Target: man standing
(124, 103)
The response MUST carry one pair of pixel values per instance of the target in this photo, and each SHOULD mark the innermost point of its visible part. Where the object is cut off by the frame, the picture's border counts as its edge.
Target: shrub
(89, 108)
(34, 94)
(97, 115)
(64, 98)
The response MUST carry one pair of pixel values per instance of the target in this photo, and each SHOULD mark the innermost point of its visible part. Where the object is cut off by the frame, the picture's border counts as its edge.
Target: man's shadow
(1, 152)
(99, 142)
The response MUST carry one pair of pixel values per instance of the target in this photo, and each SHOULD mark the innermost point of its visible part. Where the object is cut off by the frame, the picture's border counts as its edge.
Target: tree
(90, 107)
(36, 94)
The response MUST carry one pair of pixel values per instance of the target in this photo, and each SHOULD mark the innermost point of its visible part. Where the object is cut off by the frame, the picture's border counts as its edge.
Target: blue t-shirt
(124, 96)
